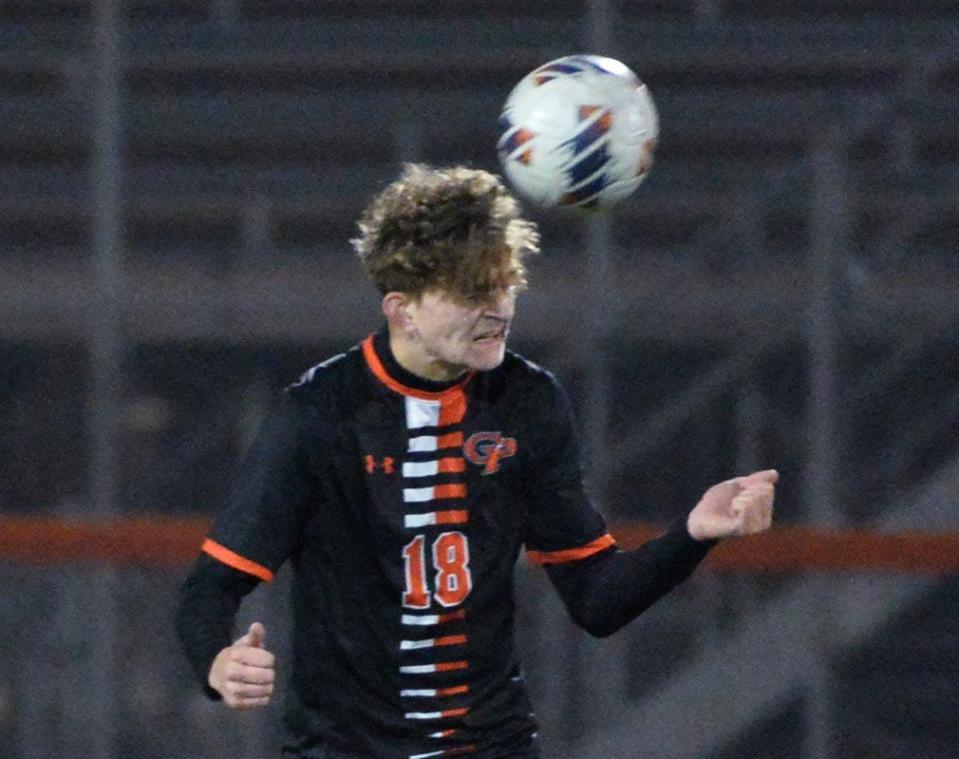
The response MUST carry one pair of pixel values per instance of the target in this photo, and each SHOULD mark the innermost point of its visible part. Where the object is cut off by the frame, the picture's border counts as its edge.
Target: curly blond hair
(454, 229)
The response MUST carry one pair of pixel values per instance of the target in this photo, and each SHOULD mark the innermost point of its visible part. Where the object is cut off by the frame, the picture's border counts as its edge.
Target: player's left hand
(739, 506)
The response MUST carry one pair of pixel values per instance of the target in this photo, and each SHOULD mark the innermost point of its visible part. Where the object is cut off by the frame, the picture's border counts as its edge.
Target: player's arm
(607, 590)
(249, 541)
(209, 602)
(611, 588)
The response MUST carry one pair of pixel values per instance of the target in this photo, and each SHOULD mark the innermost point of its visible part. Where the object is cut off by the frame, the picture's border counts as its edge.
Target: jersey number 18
(451, 558)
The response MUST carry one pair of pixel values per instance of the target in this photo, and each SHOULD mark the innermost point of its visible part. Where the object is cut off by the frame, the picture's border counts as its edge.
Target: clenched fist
(740, 506)
(243, 673)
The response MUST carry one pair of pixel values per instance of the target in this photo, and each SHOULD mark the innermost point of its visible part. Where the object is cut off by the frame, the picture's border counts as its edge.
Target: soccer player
(401, 480)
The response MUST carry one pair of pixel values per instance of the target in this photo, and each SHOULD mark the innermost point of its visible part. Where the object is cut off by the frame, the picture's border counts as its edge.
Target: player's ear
(396, 307)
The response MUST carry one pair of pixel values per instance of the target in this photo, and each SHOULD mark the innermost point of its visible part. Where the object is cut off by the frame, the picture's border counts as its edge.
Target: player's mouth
(491, 336)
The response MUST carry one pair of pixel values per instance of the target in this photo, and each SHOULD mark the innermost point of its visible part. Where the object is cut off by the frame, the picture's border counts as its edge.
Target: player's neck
(412, 358)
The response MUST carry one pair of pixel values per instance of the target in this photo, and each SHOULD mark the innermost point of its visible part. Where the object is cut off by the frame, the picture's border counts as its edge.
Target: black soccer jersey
(403, 506)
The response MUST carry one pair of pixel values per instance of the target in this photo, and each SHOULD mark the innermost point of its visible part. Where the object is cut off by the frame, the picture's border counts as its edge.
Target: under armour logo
(487, 448)
(371, 464)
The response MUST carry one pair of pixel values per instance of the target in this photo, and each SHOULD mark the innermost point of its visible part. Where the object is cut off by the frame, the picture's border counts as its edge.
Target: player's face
(453, 335)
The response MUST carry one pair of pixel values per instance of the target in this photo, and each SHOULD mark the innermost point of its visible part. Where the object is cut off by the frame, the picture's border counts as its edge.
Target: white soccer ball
(579, 131)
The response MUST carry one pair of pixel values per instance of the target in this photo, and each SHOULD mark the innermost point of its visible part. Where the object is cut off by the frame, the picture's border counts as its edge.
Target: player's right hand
(244, 672)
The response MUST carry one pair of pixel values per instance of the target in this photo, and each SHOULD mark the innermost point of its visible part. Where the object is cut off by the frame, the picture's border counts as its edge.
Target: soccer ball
(579, 131)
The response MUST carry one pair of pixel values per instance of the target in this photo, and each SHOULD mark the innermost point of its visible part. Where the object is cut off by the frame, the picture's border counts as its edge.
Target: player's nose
(502, 304)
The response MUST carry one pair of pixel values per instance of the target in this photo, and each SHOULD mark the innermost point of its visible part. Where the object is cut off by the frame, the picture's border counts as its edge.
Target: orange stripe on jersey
(231, 559)
(453, 615)
(459, 516)
(571, 554)
(452, 464)
(450, 440)
(379, 371)
(450, 666)
(452, 407)
(450, 640)
(448, 491)
(444, 733)
(455, 712)
(454, 691)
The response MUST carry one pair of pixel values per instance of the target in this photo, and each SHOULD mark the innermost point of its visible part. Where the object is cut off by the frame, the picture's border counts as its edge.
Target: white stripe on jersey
(433, 619)
(422, 443)
(419, 520)
(421, 468)
(418, 495)
(424, 715)
(409, 645)
(420, 413)
(429, 754)
(419, 692)
(418, 669)
(425, 619)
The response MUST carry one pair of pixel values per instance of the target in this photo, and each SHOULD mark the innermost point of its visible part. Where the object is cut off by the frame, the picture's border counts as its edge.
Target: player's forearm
(205, 619)
(609, 590)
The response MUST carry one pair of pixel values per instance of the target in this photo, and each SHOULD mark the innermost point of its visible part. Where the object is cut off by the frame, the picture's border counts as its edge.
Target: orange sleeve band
(571, 554)
(231, 559)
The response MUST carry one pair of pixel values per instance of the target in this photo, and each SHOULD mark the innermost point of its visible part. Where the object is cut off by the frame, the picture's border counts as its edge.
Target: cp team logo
(485, 449)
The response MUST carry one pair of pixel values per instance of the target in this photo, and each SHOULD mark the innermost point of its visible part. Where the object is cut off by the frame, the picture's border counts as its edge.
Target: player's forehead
(454, 300)
(482, 280)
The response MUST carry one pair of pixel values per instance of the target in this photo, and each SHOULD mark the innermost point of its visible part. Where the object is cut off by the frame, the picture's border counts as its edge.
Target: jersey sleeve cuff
(232, 559)
(571, 554)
